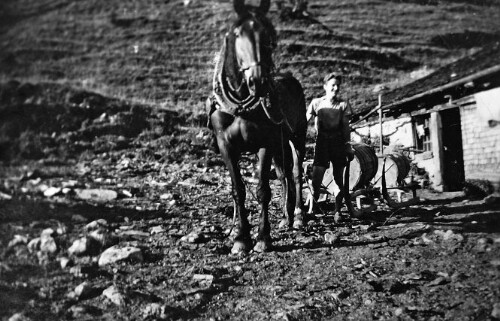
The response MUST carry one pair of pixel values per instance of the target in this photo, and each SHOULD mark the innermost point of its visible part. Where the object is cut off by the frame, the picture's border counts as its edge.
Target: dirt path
(438, 260)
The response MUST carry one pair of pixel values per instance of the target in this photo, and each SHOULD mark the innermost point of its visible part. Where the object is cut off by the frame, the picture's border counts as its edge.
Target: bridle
(259, 47)
(258, 61)
(252, 64)
(226, 92)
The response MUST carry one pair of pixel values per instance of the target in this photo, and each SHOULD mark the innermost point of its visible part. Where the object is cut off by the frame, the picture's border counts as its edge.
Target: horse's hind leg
(264, 196)
(283, 161)
(298, 156)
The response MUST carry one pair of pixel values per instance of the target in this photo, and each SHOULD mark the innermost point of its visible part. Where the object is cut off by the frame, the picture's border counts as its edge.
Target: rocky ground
(118, 211)
(115, 210)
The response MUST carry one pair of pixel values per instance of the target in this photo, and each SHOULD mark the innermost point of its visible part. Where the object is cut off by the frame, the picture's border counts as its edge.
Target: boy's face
(332, 87)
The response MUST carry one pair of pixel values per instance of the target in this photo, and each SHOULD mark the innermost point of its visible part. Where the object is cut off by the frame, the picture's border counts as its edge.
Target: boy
(332, 137)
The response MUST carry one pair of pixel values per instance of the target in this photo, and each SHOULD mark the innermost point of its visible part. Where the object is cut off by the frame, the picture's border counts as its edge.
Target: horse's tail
(293, 103)
(301, 132)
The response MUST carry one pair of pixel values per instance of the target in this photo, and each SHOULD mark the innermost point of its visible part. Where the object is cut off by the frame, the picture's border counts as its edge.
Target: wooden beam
(455, 104)
(461, 102)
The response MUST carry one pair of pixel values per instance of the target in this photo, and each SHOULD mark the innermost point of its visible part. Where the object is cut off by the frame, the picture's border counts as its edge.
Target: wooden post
(380, 116)
(436, 128)
(414, 133)
(379, 89)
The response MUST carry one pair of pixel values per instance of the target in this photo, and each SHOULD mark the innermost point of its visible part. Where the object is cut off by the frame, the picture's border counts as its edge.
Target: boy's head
(331, 84)
(332, 75)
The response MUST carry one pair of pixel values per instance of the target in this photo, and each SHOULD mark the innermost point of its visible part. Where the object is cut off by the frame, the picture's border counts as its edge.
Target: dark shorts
(329, 150)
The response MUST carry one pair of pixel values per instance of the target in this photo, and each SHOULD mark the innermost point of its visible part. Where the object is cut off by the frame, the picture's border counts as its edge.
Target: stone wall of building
(480, 125)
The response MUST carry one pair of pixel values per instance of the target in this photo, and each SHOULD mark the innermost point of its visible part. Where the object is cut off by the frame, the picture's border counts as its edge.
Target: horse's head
(255, 39)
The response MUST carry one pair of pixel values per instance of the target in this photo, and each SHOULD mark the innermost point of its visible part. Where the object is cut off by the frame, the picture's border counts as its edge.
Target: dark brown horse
(254, 110)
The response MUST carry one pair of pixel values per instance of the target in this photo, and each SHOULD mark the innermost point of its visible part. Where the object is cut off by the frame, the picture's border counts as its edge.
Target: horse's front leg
(264, 242)
(243, 240)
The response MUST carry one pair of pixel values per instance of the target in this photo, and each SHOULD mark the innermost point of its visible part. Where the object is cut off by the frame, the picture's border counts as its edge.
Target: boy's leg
(321, 155)
(317, 179)
(339, 162)
(338, 176)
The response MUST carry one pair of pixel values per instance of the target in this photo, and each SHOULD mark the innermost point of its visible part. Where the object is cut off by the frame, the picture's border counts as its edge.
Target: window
(426, 139)
(422, 133)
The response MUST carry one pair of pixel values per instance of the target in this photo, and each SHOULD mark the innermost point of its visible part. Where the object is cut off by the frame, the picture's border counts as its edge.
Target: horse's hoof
(310, 218)
(240, 247)
(299, 221)
(262, 246)
(298, 224)
(336, 218)
(283, 224)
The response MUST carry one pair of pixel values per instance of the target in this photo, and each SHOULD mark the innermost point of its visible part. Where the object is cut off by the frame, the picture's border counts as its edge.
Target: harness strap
(226, 100)
(253, 64)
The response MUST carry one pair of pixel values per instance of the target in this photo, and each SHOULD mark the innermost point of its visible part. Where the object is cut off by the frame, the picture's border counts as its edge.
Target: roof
(453, 79)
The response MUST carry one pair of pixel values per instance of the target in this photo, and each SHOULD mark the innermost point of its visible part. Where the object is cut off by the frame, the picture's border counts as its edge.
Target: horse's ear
(264, 6)
(240, 8)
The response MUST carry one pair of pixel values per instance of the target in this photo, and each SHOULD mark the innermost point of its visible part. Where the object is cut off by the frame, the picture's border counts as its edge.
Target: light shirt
(330, 115)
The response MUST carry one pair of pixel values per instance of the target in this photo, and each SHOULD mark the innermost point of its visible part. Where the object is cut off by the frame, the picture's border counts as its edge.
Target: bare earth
(164, 192)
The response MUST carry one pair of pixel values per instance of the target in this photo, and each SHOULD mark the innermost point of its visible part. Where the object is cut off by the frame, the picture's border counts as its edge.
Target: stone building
(449, 121)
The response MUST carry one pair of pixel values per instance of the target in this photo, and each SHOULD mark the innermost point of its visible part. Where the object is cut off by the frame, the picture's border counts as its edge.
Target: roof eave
(480, 74)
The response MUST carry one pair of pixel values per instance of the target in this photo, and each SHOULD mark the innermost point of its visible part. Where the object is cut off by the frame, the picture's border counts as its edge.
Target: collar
(335, 100)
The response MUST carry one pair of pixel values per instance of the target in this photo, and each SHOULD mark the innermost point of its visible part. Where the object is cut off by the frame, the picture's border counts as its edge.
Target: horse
(255, 110)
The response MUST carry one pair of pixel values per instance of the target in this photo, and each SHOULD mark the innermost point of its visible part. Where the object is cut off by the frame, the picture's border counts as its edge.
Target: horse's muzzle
(258, 86)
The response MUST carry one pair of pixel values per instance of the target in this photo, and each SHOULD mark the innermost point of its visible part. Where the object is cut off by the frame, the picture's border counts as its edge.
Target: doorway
(453, 155)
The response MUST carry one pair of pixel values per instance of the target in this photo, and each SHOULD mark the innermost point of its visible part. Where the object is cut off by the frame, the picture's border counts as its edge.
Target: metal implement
(363, 193)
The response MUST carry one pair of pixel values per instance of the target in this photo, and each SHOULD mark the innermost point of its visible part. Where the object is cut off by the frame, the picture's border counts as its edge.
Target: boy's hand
(349, 152)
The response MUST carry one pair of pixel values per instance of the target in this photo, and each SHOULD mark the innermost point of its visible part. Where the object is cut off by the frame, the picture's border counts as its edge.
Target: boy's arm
(310, 111)
(346, 131)
(346, 118)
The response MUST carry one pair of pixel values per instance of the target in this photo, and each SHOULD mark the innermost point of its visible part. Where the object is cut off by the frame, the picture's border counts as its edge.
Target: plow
(370, 181)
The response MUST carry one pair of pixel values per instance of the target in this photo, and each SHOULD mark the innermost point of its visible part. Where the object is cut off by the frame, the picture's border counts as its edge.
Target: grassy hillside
(162, 52)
